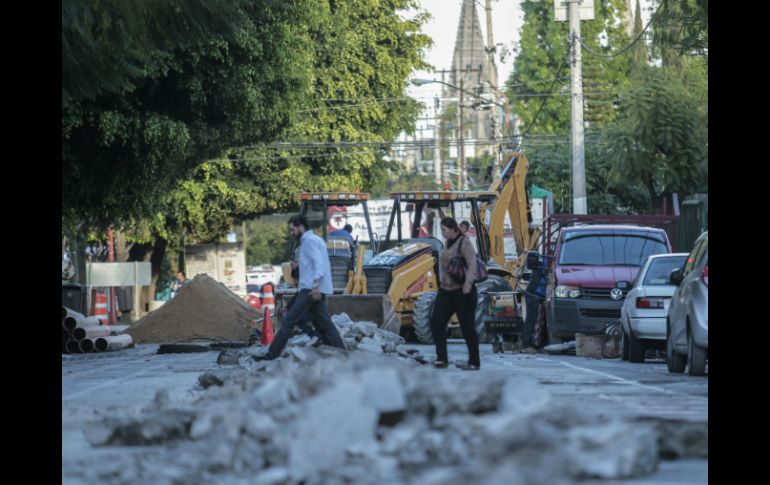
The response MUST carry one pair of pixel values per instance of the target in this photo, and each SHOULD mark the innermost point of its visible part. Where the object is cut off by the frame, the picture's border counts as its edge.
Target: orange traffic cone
(267, 330)
(100, 307)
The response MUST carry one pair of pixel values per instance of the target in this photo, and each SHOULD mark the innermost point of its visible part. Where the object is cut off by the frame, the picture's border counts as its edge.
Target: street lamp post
(462, 140)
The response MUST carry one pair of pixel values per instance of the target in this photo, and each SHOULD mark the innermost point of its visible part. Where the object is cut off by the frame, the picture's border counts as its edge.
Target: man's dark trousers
(303, 303)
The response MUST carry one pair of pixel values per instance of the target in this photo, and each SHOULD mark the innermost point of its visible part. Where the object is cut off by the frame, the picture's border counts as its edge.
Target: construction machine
(498, 307)
(397, 286)
(333, 210)
(408, 273)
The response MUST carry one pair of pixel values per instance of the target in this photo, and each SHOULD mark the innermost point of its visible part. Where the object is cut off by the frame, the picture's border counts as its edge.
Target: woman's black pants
(447, 303)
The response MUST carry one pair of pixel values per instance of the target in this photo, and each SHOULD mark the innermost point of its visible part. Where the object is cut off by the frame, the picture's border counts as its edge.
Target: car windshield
(660, 269)
(610, 249)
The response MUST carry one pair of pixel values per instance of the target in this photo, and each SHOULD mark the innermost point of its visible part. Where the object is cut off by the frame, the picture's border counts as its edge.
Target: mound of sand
(203, 308)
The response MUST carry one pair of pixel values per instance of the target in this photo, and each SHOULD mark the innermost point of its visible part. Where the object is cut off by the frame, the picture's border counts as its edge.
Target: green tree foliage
(110, 47)
(204, 87)
(552, 172)
(660, 139)
(681, 29)
(268, 241)
(544, 53)
(364, 52)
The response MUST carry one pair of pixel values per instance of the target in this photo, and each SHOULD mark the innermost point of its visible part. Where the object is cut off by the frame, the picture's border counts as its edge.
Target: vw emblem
(616, 293)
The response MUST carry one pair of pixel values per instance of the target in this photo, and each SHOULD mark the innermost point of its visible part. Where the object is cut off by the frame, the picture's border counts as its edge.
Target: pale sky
(507, 19)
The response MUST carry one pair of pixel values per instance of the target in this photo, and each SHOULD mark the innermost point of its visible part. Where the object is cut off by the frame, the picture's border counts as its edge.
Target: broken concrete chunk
(369, 345)
(341, 320)
(300, 354)
(274, 392)
(612, 450)
(158, 428)
(228, 357)
(299, 340)
(363, 329)
(523, 397)
(681, 439)
(383, 391)
(272, 476)
(208, 379)
(332, 421)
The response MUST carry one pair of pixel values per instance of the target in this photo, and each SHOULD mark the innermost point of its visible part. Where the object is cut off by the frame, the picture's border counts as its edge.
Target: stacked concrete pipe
(82, 334)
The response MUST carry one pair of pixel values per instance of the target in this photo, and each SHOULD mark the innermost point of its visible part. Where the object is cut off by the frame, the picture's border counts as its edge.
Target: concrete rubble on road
(370, 414)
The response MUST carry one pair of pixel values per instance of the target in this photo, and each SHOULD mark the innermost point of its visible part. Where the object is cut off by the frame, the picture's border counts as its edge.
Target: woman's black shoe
(440, 364)
(463, 366)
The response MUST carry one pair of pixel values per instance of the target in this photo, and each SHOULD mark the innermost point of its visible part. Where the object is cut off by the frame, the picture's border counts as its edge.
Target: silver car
(644, 310)
(687, 331)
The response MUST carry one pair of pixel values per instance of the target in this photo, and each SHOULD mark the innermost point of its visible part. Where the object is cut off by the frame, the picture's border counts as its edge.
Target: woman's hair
(450, 223)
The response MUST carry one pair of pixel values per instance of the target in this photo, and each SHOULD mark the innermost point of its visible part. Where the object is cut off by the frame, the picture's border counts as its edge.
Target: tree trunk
(154, 254)
(654, 198)
(121, 253)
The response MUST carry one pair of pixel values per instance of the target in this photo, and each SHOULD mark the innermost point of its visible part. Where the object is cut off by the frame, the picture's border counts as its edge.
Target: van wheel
(696, 357)
(676, 362)
(636, 349)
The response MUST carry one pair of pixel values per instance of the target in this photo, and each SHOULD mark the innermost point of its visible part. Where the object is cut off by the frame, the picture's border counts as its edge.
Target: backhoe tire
(492, 284)
(423, 309)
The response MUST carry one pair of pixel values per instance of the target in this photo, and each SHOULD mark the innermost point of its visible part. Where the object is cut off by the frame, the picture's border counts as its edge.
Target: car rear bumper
(589, 316)
(649, 328)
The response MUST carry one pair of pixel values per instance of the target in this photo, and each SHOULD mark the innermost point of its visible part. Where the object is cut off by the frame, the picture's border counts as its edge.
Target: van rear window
(610, 249)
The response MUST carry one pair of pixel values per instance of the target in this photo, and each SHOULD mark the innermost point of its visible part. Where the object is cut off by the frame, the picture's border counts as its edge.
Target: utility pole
(111, 259)
(437, 149)
(574, 11)
(579, 200)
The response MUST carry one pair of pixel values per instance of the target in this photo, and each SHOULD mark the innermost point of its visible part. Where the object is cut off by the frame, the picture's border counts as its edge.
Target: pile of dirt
(203, 308)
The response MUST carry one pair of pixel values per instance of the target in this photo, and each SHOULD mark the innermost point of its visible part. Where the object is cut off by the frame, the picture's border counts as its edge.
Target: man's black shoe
(263, 357)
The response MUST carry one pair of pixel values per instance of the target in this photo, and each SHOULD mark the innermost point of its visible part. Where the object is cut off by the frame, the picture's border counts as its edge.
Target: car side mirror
(623, 285)
(676, 276)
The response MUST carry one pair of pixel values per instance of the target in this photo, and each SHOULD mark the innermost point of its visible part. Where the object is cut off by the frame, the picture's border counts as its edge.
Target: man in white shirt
(315, 282)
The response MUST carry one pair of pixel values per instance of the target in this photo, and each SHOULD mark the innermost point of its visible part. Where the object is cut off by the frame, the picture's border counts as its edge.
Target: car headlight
(564, 291)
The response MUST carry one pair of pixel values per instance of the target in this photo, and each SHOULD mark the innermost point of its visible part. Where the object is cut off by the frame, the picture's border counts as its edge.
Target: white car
(644, 311)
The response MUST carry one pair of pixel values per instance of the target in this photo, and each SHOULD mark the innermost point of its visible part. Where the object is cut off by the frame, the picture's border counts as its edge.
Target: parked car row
(667, 308)
(605, 273)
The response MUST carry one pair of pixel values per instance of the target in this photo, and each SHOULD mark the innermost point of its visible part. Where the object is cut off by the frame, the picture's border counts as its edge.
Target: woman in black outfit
(455, 297)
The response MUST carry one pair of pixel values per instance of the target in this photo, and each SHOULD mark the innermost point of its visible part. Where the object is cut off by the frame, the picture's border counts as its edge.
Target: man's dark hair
(299, 220)
(348, 228)
(449, 223)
